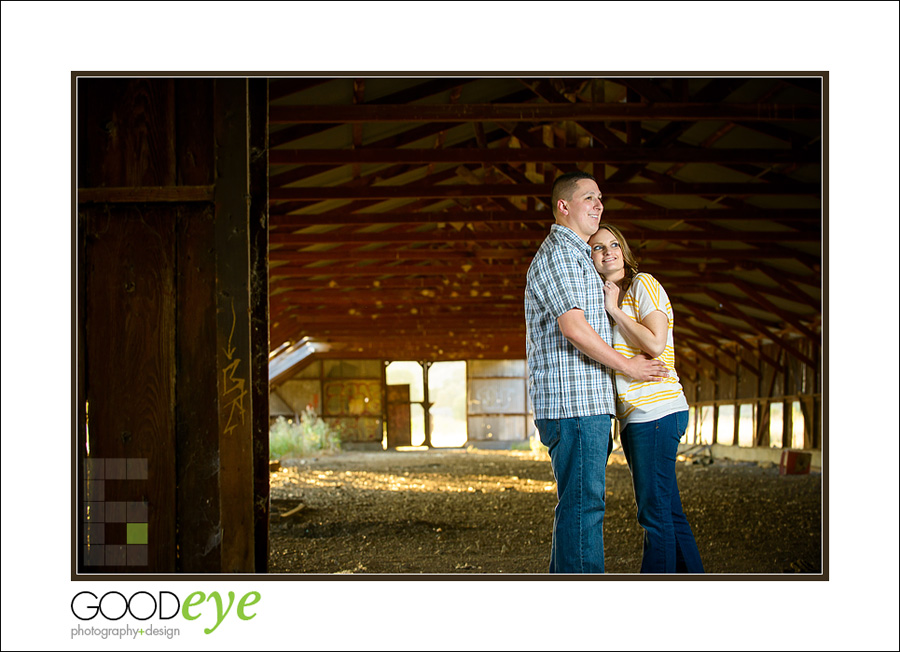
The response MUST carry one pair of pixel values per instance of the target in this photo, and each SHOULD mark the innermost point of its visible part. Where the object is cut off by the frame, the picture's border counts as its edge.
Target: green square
(136, 533)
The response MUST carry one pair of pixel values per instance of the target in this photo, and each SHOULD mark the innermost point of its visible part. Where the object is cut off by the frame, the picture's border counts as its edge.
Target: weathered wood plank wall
(772, 375)
(168, 359)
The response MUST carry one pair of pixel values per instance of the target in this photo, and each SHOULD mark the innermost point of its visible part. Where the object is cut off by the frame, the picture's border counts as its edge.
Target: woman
(652, 416)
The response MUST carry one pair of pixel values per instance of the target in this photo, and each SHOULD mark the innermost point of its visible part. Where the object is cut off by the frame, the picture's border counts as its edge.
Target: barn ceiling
(404, 211)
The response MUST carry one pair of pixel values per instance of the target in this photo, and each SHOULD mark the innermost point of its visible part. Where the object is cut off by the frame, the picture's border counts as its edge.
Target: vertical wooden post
(816, 403)
(233, 352)
(737, 406)
(426, 403)
(258, 93)
(698, 411)
(787, 431)
(198, 528)
(199, 531)
(384, 400)
(716, 392)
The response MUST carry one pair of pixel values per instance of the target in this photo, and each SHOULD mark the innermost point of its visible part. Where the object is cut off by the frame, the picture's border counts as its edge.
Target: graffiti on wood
(233, 386)
(353, 398)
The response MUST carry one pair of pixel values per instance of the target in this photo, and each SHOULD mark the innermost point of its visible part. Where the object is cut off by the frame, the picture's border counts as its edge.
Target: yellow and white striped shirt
(639, 402)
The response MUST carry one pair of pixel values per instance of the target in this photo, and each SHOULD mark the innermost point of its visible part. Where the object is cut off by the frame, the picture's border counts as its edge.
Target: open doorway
(447, 393)
(446, 397)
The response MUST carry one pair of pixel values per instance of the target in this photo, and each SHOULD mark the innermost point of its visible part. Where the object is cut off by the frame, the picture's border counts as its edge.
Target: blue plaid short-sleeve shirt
(563, 382)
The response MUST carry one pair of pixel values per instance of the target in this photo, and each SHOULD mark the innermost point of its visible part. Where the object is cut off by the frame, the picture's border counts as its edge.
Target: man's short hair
(564, 186)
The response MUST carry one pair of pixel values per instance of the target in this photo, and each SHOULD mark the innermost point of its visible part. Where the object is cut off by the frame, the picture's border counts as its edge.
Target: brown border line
(823, 576)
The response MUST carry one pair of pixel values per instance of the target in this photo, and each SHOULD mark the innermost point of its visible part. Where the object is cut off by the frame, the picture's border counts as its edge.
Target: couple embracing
(583, 371)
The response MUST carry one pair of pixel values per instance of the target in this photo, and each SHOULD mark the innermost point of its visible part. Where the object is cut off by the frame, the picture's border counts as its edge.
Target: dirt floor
(449, 511)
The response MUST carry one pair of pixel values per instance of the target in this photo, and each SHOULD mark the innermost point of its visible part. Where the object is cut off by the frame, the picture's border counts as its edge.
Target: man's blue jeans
(579, 449)
(650, 448)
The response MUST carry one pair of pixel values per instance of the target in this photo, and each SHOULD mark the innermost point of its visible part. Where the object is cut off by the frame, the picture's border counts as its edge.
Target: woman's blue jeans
(650, 448)
(579, 449)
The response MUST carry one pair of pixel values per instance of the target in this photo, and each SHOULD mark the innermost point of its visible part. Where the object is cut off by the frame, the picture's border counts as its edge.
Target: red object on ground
(794, 462)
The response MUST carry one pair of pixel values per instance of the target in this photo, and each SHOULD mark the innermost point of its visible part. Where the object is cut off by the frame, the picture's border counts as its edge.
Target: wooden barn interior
(249, 245)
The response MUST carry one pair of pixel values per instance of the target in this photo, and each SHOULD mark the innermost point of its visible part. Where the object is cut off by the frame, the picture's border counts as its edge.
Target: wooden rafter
(492, 156)
(709, 358)
(723, 329)
(418, 190)
(437, 224)
(788, 317)
(534, 112)
(761, 328)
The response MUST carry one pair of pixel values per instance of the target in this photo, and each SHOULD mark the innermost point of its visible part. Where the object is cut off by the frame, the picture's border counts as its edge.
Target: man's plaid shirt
(564, 382)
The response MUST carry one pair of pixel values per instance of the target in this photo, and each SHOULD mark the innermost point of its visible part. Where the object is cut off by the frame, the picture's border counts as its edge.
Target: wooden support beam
(400, 319)
(410, 310)
(787, 316)
(426, 404)
(258, 129)
(734, 301)
(464, 268)
(534, 112)
(699, 261)
(790, 283)
(199, 536)
(283, 87)
(485, 155)
(716, 395)
(407, 237)
(714, 253)
(542, 190)
(688, 362)
(395, 298)
(418, 92)
(712, 316)
(703, 337)
(352, 216)
(416, 218)
(787, 427)
(715, 93)
(646, 89)
(704, 318)
(233, 350)
(710, 359)
(426, 287)
(817, 400)
(278, 179)
(761, 328)
(736, 435)
(513, 235)
(459, 270)
(762, 435)
(694, 282)
(145, 195)
(464, 253)
(438, 333)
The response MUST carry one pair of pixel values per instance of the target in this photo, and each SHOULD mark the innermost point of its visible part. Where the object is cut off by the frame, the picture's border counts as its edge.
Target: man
(571, 385)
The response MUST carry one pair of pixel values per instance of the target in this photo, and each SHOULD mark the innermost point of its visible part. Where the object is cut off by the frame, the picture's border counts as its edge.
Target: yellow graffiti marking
(231, 383)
